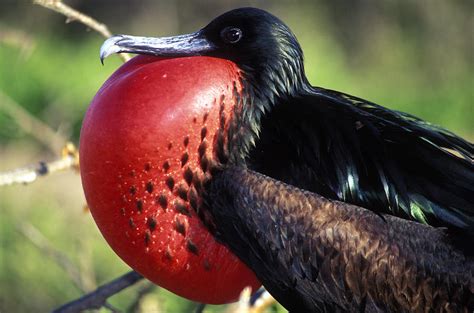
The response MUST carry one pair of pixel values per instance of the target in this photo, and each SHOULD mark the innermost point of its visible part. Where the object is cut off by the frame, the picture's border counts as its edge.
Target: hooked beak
(175, 46)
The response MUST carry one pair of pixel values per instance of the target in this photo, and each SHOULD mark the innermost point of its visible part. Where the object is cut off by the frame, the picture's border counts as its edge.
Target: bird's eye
(231, 34)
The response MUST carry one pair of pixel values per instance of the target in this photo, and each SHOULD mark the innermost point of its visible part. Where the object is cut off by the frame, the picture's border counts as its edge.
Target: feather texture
(318, 255)
(351, 150)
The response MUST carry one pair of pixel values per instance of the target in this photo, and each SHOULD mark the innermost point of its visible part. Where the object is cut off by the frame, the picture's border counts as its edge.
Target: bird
(336, 203)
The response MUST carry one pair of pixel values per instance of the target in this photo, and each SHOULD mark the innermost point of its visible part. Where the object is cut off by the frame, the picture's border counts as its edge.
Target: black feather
(355, 151)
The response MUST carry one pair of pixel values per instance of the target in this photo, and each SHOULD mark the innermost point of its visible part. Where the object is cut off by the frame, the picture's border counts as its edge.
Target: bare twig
(40, 241)
(74, 15)
(85, 263)
(69, 159)
(97, 298)
(62, 260)
(264, 301)
(244, 305)
(30, 124)
(19, 39)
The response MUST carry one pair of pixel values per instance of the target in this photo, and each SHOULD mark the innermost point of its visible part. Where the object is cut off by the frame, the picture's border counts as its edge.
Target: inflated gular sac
(147, 150)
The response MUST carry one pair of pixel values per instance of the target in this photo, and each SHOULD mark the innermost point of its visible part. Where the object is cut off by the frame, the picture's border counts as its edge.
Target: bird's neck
(262, 89)
(273, 81)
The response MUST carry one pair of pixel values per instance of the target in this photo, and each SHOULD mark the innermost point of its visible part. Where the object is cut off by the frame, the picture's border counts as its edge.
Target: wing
(348, 149)
(318, 255)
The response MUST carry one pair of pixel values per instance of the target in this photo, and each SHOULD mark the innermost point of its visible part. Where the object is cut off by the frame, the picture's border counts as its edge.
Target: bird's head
(262, 46)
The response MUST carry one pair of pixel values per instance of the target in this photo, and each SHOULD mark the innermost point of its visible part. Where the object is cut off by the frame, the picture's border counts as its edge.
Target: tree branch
(62, 260)
(31, 124)
(18, 39)
(263, 302)
(247, 303)
(74, 15)
(98, 298)
(40, 241)
(69, 159)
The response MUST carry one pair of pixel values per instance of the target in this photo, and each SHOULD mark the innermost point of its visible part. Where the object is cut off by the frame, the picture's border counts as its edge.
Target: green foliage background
(414, 56)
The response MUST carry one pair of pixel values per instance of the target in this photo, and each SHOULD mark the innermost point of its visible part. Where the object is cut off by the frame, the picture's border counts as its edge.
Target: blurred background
(415, 56)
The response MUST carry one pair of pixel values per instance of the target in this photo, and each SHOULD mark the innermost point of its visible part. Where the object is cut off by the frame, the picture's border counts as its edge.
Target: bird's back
(354, 151)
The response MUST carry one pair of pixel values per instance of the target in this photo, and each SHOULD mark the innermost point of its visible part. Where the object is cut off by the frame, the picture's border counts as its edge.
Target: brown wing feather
(317, 255)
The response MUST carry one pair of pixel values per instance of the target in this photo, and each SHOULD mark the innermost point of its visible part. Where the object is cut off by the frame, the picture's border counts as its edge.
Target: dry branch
(40, 241)
(262, 302)
(69, 160)
(18, 39)
(62, 260)
(30, 124)
(98, 298)
(74, 15)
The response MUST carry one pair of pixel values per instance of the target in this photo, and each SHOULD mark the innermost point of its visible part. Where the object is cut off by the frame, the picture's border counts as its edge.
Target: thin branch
(84, 263)
(69, 160)
(243, 305)
(264, 301)
(98, 298)
(19, 39)
(247, 303)
(30, 124)
(42, 243)
(62, 260)
(74, 15)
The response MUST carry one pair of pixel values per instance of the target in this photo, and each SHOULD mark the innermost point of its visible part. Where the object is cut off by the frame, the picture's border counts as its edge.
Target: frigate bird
(336, 203)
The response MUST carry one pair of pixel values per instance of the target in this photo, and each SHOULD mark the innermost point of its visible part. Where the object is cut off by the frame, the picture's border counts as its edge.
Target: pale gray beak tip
(110, 47)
